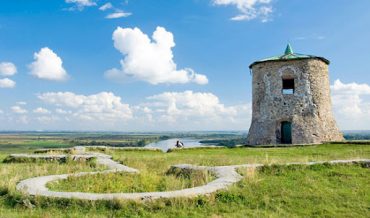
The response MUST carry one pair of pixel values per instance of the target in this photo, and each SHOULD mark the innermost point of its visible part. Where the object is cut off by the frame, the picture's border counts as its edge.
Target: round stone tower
(291, 101)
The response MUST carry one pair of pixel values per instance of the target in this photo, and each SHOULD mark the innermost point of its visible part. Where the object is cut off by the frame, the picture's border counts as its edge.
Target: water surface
(164, 145)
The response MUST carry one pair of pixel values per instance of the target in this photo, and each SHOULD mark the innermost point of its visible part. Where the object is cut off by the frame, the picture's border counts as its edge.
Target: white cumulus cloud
(7, 69)
(7, 83)
(149, 60)
(350, 88)
(41, 110)
(81, 4)
(118, 14)
(165, 111)
(106, 6)
(48, 65)
(21, 103)
(351, 105)
(18, 109)
(249, 9)
(61, 111)
(104, 106)
(196, 110)
(47, 119)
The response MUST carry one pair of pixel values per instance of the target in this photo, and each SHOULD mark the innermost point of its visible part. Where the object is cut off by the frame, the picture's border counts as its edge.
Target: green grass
(319, 190)
(27, 145)
(292, 191)
(143, 182)
(157, 161)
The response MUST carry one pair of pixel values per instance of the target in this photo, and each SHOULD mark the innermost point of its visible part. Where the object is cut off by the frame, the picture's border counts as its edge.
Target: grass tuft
(128, 182)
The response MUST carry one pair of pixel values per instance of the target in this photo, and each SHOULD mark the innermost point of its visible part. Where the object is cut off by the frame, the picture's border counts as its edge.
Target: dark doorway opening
(288, 86)
(286, 132)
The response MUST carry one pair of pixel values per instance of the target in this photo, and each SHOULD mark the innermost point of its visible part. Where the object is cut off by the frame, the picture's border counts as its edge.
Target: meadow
(324, 190)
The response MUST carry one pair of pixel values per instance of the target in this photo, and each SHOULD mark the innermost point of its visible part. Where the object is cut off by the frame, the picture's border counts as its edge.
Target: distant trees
(226, 142)
(357, 135)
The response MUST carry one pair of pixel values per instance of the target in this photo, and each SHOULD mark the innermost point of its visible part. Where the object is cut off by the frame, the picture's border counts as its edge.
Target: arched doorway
(286, 132)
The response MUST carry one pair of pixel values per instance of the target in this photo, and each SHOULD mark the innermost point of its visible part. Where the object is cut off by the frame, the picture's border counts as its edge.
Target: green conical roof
(288, 55)
(288, 50)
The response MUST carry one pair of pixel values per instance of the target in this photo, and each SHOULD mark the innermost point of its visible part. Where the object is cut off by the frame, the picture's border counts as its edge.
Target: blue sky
(216, 40)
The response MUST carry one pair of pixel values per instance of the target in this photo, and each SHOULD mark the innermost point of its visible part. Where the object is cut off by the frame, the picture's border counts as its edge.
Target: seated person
(179, 144)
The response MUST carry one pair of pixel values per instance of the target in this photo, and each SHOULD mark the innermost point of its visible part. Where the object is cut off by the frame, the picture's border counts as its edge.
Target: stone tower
(291, 101)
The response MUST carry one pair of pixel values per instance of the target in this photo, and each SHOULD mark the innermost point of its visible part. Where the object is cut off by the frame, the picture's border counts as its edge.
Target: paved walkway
(225, 177)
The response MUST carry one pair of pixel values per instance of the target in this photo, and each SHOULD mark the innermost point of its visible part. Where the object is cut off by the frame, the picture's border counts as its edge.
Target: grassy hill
(272, 191)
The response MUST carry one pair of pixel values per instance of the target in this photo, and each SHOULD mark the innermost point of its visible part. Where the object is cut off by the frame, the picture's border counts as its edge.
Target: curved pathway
(225, 177)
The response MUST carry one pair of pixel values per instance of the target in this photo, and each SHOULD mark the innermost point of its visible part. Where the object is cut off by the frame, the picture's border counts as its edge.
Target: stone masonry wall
(308, 109)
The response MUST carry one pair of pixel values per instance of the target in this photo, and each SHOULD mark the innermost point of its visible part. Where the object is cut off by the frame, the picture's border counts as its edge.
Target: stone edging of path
(225, 177)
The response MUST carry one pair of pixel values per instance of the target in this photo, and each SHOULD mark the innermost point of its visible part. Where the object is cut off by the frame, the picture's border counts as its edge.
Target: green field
(273, 191)
(27, 142)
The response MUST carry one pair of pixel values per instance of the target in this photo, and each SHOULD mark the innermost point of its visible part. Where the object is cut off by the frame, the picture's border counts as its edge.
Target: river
(164, 145)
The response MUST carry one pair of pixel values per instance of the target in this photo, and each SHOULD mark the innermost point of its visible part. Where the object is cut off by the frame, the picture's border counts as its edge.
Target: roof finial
(288, 50)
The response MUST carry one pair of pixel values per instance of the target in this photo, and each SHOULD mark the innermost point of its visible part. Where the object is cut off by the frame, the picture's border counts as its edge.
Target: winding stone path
(225, 177)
